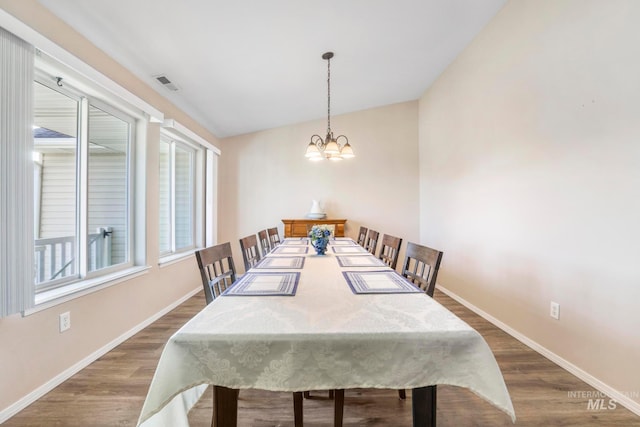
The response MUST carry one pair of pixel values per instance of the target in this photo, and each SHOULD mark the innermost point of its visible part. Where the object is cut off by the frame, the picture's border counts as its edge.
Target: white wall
(530, 178)
(264, 176)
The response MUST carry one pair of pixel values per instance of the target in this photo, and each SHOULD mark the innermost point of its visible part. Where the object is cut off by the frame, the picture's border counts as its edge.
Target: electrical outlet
(65, 321)
(555, 310)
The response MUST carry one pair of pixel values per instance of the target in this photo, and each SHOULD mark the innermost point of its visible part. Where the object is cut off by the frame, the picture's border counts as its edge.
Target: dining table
(299, 321)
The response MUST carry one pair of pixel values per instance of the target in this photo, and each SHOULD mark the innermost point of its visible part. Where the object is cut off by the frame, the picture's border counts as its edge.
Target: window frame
(175, 139)
(48, 81)
(46, 291)
(131, 152)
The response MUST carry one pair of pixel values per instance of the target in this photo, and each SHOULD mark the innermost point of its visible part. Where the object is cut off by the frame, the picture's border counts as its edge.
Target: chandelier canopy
(329, 147)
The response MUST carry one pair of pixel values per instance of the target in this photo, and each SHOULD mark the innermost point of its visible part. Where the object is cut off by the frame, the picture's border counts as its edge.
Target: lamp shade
(332, 148)
(347, 152)
(313, 152)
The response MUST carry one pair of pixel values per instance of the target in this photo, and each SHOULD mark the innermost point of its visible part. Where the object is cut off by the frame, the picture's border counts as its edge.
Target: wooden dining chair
(217, 269)
(265, 243)
(274, 237)
(250, 251)
(362, 235)
(421, 265)
(389, 250)
(371, 242)
(218, 272)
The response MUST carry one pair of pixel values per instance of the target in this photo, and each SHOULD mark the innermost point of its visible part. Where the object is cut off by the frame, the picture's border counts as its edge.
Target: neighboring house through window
(83, 185)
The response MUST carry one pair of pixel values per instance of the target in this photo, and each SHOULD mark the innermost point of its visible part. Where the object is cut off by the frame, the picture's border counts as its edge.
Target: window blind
(16, 174)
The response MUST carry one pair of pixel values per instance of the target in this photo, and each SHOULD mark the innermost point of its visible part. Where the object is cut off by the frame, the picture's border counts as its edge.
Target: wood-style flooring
(111, 391)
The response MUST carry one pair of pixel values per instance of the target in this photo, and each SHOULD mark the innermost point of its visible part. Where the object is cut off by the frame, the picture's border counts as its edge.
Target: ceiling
(248, 65)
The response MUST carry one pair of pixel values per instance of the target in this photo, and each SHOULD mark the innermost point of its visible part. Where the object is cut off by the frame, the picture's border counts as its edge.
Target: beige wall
(33, 351)
(526, 172)
(265, 178)
(530, 178)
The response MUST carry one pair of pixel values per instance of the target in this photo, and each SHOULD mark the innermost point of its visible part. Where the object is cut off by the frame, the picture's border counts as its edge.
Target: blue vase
(320, 246)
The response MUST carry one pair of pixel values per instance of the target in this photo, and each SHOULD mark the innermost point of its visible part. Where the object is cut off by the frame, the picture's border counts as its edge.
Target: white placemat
(348, 242)
(378, 282)
(350, 249)
(359, 261)
(295, 241)
(283, 262)
(265, 284)
(290, 250)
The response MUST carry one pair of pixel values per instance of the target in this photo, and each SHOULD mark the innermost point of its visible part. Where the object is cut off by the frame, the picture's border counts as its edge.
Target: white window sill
(53, 297)
(173, 258)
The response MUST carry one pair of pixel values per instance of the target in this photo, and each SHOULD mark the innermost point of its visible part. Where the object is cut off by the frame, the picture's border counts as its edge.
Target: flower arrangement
(319, 235)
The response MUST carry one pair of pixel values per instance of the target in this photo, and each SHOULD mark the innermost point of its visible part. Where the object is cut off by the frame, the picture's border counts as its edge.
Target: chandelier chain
(328, 96)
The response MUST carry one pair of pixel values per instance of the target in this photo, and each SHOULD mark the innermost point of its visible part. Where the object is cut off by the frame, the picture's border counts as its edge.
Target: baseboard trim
(620, 397)
(36, 394)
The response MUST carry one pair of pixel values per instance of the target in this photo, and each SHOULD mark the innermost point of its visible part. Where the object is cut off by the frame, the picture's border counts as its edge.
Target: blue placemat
(378, 282)
(359, 261)
(290, 250)
(283, 262)
(265, 284)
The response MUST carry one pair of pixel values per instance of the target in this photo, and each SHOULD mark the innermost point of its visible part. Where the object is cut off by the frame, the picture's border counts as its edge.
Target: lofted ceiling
(248, 65)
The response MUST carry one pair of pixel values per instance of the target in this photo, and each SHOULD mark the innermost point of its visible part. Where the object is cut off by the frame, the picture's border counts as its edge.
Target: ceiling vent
(164, 81)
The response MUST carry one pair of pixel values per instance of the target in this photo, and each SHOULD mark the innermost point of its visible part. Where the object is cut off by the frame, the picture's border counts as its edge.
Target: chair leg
(330, 394)
(338, 408)
(297, 409)
(402, 394)
(424, 402)
(225, 407)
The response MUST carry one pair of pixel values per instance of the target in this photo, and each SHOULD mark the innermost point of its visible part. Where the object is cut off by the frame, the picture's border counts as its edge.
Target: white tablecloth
(325, 337)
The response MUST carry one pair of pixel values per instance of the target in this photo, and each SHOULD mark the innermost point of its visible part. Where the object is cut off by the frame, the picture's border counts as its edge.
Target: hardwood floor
(111, 391)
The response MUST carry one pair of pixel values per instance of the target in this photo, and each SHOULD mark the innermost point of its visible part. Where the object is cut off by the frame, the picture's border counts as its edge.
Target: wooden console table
(298, 227)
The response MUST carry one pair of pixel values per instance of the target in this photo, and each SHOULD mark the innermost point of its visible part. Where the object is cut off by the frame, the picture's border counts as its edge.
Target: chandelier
(329, 147)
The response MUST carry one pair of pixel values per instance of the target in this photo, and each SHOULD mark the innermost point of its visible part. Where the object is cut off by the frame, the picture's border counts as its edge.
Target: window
(180, 197)
(83, 185)
(70, 166)
(188, 169)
